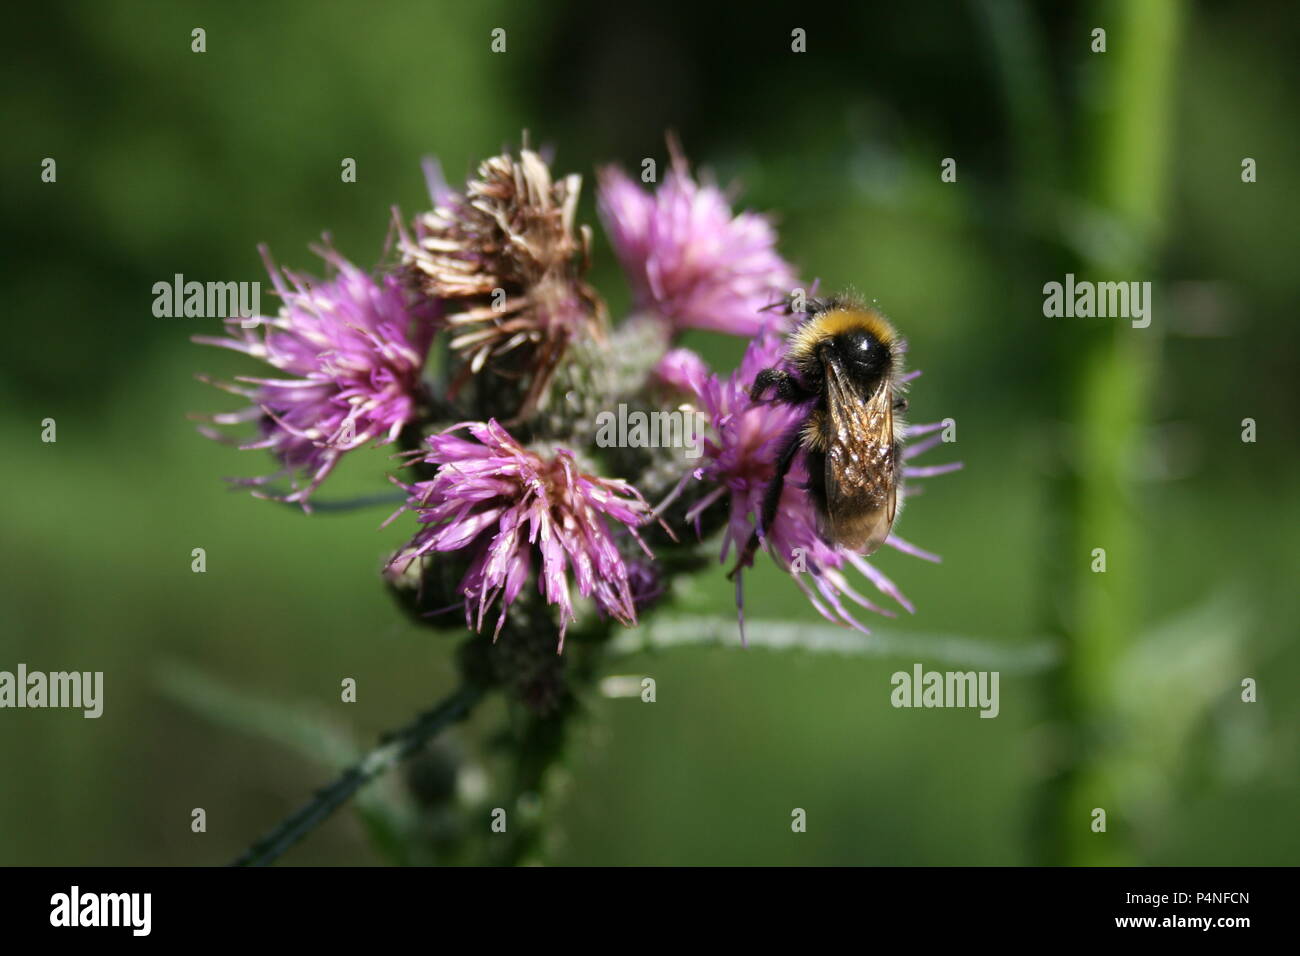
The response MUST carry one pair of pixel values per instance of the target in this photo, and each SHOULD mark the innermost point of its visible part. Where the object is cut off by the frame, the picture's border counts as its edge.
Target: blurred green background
(175, 162)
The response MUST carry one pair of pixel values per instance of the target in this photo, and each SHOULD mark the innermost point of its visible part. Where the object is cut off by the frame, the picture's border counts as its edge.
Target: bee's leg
(900, 404)
(768, 378)
(786, 388)
(787, 302)
(771, 498)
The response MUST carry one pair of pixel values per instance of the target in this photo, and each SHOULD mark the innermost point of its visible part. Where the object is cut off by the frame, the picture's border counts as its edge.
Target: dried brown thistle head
(508, 263)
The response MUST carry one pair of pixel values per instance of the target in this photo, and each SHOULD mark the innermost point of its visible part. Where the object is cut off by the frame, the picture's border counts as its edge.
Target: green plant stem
(538, 751)
(667, 631)
(1109, 368)
(393, 748)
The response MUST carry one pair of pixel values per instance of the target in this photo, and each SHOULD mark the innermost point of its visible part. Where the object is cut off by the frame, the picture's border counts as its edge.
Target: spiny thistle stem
(1109, 383)
(393, 748)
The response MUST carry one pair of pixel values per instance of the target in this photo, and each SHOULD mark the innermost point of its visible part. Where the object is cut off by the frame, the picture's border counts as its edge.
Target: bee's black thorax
(863, 358)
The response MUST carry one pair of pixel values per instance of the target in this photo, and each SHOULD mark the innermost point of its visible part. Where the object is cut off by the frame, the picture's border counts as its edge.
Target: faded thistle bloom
(688, 257)
(348, 350)
(509, 506)
(739, 463)
(506, 258)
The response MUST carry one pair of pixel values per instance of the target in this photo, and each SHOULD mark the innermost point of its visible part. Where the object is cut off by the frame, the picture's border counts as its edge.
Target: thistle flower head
(507, 260)
(511, 505)
(504, 498)
(688, 257)
(349, 351)
(738, 461)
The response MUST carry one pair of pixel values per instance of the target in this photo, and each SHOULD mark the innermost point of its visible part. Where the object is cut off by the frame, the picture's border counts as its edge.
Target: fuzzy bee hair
(846, 363)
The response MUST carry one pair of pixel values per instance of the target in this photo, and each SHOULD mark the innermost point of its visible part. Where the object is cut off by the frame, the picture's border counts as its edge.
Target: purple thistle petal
(932, 470)
(503, 502)
(894, 541)
(688, 257)
(352, 350)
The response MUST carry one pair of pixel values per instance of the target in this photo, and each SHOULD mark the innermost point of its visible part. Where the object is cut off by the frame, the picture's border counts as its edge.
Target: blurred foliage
(174, 162)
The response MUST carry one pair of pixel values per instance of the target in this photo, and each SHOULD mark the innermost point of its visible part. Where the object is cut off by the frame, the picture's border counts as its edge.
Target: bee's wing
(861, 462)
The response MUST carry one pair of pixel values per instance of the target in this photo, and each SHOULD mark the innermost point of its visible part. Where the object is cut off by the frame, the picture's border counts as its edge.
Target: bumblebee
(846, 361)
